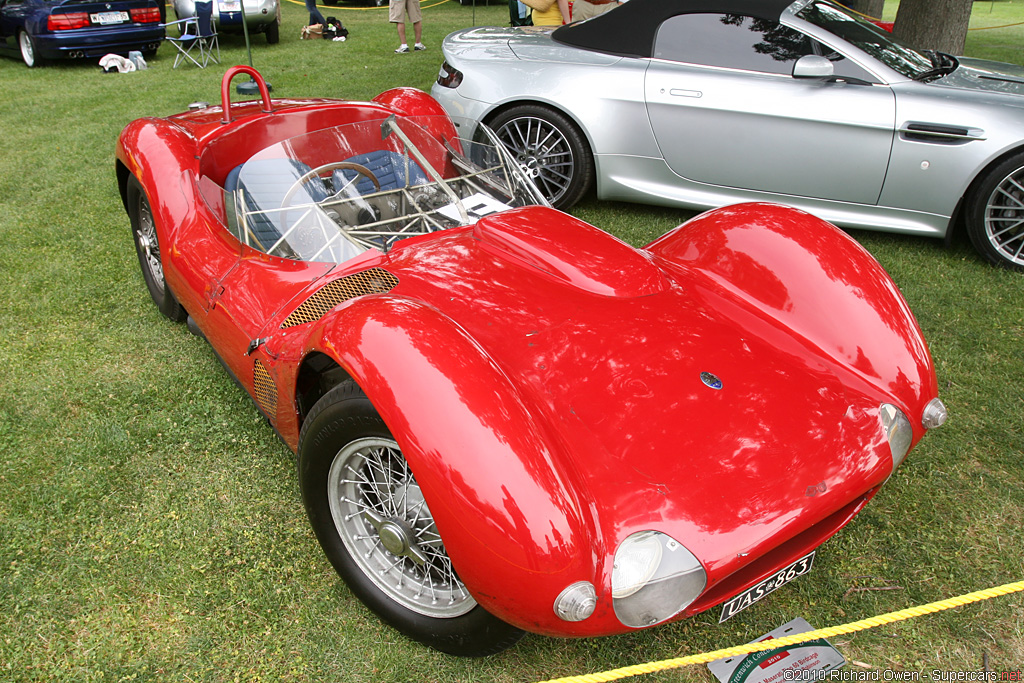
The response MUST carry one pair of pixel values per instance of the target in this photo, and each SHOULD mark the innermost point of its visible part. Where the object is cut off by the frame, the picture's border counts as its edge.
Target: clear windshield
(868, 37)
(332, 194)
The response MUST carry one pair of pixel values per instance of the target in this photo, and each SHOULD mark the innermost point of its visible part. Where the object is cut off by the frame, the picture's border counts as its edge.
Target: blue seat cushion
(389, 168)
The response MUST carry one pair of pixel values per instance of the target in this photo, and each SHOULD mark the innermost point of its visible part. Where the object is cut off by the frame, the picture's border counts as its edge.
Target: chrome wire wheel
(386, 526)
(1004, 218)
(145, 235)
(543, 152)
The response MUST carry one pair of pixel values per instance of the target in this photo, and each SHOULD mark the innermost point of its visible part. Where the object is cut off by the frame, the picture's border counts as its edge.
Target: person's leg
(314, 14)
(418, 29)
(401, 32)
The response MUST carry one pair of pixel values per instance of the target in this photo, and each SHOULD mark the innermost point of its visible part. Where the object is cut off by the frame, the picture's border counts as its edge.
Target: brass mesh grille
(266, 391)
(372, 281)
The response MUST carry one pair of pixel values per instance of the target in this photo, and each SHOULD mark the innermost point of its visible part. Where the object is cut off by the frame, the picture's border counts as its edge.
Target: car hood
(530, 43)
(726, 431)
(981, 74)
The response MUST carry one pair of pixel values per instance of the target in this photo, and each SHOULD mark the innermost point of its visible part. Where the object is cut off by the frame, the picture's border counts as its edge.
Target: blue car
(38, 30)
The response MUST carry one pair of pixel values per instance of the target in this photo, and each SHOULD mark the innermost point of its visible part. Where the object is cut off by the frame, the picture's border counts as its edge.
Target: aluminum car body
(872, 150)
(544, 379)
(227, 16)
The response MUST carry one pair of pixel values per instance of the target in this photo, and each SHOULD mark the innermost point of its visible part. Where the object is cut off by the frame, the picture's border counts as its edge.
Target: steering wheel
(316, 172)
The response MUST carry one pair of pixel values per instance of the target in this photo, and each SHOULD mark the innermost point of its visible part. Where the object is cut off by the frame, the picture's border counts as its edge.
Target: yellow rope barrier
(830, 632)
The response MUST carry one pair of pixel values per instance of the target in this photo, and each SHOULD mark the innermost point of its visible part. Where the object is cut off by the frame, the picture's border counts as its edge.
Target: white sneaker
(402, 49)
(419, 46)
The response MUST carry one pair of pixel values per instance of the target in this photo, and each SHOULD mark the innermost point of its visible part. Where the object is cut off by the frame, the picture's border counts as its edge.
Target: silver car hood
(528, 43)
(982, 74)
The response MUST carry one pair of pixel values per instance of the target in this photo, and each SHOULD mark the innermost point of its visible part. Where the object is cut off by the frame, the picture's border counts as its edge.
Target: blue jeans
(314, 14)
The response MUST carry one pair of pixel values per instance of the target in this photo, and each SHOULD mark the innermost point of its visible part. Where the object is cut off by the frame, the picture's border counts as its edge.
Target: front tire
(374, 525)
(550, 149)
(147, 247)
(995, 218)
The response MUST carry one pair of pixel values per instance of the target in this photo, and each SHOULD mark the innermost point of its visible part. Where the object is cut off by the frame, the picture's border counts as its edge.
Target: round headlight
(654, 578)
(898, 432)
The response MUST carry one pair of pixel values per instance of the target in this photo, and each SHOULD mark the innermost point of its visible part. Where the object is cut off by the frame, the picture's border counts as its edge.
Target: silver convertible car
(701, 103)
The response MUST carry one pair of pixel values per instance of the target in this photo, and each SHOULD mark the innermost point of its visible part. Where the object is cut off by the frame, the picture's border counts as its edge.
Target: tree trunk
(934, 24)
(872, 9)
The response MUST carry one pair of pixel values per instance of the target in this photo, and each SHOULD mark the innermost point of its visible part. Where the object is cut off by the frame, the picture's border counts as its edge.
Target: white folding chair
(198, 40)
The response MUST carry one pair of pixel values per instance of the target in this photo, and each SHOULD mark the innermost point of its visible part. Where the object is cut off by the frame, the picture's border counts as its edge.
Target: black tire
(354, 518)
(27, 47)
(147, 247)
(331, 3)
(550, 148)
(273, 33)
(995, 214)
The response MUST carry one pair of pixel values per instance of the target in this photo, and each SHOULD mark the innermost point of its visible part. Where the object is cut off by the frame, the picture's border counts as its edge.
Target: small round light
(577, 602)
(935, 414)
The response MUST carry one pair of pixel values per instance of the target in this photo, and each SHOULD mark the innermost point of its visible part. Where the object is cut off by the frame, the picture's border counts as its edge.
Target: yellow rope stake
(830, 632)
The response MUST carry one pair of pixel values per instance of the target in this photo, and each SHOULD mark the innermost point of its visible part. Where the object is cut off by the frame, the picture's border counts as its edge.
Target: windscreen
(332, 194)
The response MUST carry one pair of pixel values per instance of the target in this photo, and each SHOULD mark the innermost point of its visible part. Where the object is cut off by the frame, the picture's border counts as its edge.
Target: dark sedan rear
(37, 30)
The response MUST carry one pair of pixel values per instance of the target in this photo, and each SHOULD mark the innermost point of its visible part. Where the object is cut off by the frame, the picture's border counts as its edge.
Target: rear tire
(28, 49)
(273, 33)
(995, 214)
(147, 247)
(374, 525)
(550, 149)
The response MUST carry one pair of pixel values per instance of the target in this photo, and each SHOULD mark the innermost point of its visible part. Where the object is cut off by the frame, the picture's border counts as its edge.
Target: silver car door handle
(679, 92)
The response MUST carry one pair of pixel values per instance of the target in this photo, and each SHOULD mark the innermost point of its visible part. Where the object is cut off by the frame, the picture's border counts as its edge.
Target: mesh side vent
(266, 391)
(372, 281)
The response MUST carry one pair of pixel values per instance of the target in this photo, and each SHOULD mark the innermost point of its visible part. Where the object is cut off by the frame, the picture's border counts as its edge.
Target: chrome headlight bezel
(898, 432)
(654, 577)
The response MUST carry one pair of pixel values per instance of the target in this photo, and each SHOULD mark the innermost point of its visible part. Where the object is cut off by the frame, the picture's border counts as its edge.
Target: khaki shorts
(398, 8)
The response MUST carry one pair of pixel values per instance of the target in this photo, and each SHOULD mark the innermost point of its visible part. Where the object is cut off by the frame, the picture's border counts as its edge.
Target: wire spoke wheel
(543, 152)
(386, 526)
(1004, 218)
(145, 234)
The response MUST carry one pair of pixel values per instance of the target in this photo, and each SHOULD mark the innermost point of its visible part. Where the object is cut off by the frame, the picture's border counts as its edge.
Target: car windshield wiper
(942, 64)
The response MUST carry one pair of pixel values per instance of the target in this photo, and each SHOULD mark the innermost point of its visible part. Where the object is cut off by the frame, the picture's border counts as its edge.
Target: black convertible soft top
(630, 29)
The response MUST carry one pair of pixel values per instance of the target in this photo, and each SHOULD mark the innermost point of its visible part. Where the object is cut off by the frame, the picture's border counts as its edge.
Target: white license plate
(230, 6)
(766, 587)
(109, 18)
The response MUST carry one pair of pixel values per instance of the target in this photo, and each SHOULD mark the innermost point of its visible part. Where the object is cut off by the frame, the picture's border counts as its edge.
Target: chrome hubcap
(386, 526)
(146, 236)
(1004, 218)
(542, 151)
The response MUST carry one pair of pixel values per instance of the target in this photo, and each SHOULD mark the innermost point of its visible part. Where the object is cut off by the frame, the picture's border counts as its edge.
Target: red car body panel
(544, 378)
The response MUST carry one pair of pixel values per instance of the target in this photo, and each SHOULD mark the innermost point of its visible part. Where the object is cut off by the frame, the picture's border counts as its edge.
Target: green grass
(150, 522)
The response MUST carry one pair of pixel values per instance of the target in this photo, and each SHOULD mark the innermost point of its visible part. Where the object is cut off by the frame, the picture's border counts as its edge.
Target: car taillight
(449, 77)
(67, 22)
(145, 15)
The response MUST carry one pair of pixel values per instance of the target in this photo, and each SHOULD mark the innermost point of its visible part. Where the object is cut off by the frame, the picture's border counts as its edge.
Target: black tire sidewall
(344, 415)
(583, 163)
(975, 223)
(164, 299)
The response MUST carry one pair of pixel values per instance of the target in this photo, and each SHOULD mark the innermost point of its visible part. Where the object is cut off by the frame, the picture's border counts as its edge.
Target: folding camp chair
(198, 40)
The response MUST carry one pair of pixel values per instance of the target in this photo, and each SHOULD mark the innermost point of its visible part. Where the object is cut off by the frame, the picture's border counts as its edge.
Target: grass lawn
(150, 521)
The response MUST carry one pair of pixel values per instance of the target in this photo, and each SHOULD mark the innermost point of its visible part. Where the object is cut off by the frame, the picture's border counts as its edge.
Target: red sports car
(506, 419)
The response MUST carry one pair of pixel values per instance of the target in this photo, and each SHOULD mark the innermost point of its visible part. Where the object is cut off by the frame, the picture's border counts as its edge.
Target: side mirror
(813, 66)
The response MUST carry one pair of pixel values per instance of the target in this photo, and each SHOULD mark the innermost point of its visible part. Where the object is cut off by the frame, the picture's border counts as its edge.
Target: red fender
(492, 475)
(815, 279)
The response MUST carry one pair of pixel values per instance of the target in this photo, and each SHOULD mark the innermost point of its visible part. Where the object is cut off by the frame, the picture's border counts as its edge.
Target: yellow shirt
(548, 17)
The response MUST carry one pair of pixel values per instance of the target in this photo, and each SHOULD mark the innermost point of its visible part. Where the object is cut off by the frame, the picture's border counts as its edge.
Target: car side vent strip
(265, 390)
(372, 281)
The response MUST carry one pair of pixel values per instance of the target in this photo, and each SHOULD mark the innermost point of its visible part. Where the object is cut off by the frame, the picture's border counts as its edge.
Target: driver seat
(264, 183)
